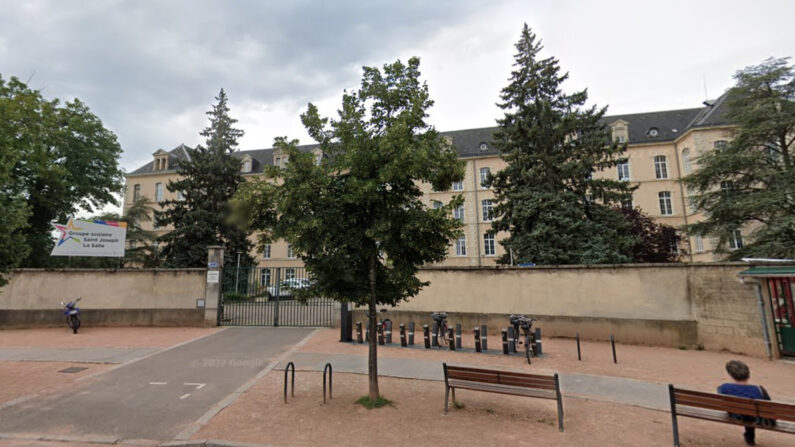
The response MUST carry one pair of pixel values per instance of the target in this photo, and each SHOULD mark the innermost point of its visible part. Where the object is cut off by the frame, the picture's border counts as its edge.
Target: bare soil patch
(417, 419)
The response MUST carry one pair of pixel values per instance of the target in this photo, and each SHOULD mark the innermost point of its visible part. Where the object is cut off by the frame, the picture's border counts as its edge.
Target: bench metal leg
(446, 398)
(674, 424)
(560, 402)
(453, 396)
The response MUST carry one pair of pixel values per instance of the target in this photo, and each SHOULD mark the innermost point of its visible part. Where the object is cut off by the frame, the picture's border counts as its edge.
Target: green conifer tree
(555, 211)
(208, 179)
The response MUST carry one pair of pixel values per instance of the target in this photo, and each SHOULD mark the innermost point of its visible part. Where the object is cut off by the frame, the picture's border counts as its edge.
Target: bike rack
(330, 370)
(287, 368)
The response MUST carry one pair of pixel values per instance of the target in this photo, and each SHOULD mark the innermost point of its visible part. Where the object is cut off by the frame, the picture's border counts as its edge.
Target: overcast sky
(150, 69)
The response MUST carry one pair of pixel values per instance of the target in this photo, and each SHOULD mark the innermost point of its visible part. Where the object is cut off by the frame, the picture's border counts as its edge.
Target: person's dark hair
(738, 370)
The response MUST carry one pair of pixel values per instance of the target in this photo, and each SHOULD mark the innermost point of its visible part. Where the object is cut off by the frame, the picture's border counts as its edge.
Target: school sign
(90, 238)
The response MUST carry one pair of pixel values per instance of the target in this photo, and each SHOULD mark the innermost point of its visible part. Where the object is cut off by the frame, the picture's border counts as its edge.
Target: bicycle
(382, 325)
(440, 318)
(526, 325)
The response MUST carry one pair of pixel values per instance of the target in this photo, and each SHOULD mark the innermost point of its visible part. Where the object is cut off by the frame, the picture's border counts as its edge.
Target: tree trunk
(372, 360)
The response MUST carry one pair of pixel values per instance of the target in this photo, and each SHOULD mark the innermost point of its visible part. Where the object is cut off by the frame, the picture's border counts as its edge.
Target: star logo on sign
(64, 229)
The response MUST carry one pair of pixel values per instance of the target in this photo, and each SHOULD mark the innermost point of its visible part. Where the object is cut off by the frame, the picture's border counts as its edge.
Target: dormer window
(619, 131)
(484, 146)
(161, 160)
(653, 132)
(246, 166)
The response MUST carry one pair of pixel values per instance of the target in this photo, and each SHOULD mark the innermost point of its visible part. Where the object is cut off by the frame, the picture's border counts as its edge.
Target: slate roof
(670, 124)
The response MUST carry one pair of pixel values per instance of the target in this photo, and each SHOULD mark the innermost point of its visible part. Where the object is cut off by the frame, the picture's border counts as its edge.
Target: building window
(158, 192)
(461, 246)
(719, 145)
(266, 251)
(626, 203)
(290, 252)
(487, 205)
(485, 173)
(660, 166)
(623, 170)
(488, 245)
(699, 243)
(736, 240)
(458, 186)
(318, 159)
(437, 204)
(289, 273)
(136, 192)
(180, 196)
(666, 205)
(726, 185)
(686, 161)
(621, 139)
(246, 166)
(265, 277)
(458, 213)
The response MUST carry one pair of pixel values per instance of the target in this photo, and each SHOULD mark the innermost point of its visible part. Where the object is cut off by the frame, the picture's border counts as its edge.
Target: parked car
(286, 287)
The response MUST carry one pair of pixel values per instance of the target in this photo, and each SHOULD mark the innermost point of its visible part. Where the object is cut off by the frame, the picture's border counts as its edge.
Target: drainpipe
(758, 288)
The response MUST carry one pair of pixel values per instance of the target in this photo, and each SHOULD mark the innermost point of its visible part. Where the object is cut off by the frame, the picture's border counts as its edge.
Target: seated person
(740, 373)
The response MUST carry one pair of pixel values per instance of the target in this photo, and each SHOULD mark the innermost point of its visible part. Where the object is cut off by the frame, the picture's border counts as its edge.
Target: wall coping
(670, 265)
(108, 270)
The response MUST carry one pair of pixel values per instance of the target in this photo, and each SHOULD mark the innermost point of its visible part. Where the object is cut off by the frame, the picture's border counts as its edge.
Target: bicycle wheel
(443, 338)
(74, 323)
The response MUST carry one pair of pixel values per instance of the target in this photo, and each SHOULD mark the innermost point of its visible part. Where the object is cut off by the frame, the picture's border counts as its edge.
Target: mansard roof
(669, 125)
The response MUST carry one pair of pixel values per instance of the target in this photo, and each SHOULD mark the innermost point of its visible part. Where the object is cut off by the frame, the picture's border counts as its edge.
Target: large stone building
(662, 148)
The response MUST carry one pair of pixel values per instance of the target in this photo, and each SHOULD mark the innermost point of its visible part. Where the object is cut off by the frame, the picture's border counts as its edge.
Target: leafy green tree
(546, 198)
(64, 160)
(654, 241)
(750, 183)
(357, 219)
(208, 180)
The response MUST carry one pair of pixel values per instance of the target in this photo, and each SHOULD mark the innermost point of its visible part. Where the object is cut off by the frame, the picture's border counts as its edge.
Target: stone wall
(152, 297)
(677, 305)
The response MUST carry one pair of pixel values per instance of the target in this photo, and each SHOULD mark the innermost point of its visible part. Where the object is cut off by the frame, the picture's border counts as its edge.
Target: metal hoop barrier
(329, 369)
(287, 368)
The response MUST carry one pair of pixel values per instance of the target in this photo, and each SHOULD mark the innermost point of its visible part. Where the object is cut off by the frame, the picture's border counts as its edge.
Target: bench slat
(503, 389)
(500, 378)
(451, 368)
(720, 416)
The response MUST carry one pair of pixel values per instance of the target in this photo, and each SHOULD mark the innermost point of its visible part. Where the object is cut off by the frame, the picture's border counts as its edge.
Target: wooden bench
(502, 382)
(716, 407)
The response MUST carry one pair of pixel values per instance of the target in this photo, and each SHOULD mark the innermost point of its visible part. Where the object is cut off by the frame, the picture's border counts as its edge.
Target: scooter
(72, 313)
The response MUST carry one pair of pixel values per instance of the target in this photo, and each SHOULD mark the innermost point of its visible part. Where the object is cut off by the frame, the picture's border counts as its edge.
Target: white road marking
(197, 385)
(158, 383)
(184, 396)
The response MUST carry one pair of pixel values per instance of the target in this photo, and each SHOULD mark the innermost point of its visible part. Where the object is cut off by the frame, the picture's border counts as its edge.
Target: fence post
(579, 354)
(403, 335)
(411, 333)
(278, 292)
(505, 341)
(477, 338)
(613, 344)
(484, 338)
(213, 303)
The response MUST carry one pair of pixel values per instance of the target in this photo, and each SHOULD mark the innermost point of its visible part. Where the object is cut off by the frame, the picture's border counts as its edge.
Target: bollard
(613, 343)
(359, 332)
(451, 338)
(380, 330)
(477, 338)
(458, 336)
(512, 339)
(411, 333)
(579, 355)
(434, 336)
(403, 335)
(483, 338)
(389, 332)
(505, 341)
(537, 350)
(425, 332)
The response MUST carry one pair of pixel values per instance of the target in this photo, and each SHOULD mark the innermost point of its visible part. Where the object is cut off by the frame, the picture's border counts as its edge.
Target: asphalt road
(159, 396)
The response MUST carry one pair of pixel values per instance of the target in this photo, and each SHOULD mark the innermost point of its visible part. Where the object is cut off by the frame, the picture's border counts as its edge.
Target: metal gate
(781, 294)
(264, 296)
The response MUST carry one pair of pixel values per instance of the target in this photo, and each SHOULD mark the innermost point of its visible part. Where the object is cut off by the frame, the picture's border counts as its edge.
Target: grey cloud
(141, 64)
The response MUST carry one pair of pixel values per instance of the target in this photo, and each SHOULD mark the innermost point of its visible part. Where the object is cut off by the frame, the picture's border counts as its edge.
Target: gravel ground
(19, 379)
(416, 419)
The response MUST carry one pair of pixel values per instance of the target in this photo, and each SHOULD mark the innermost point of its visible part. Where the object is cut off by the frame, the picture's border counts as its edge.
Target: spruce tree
(208, 179)
(750, 184)
(555, 211)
